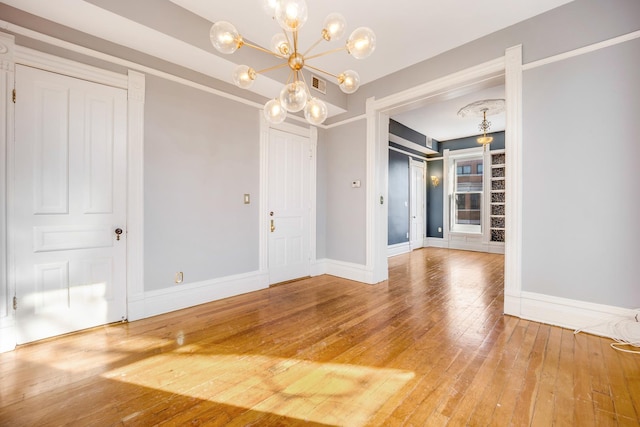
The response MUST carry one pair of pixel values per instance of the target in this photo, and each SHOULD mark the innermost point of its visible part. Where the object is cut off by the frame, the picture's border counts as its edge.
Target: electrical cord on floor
(625, 333)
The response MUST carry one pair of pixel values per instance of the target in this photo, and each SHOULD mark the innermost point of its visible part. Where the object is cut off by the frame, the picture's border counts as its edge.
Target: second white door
(417, 209)
(290, 160)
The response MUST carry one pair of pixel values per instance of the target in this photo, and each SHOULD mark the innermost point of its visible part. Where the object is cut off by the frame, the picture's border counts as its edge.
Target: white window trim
(449, 159)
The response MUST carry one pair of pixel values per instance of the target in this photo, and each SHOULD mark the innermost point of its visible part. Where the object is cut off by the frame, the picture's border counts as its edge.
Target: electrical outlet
(179, 277)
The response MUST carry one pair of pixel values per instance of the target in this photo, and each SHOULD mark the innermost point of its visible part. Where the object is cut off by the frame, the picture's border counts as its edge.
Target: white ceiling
(441, 121)
(408, 31)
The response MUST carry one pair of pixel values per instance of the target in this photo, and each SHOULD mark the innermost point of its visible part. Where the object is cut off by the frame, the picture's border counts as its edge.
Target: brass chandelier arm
(320, 70)
(295, 42)
(275, 67)
(328, 52)
(320, 40)
(261, 49)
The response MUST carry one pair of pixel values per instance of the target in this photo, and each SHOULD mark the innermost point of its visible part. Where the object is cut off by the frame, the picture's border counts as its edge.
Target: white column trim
(377, 149)
(513, 177)
(135, 195)
(7, 280)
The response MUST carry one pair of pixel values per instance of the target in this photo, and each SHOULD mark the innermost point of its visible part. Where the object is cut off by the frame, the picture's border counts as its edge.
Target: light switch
(247, 199)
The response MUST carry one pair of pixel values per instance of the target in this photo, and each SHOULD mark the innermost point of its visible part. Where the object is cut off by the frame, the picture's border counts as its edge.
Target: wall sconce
(435, 180)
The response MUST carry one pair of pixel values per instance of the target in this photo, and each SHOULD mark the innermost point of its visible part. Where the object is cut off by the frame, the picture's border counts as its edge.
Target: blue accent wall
(435, 209)
(398, 221)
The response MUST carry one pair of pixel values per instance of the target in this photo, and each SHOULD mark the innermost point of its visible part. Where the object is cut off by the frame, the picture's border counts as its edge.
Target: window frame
(452, 190)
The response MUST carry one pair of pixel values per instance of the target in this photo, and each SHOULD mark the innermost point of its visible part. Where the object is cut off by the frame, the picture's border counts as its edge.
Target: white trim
(350, 271)
(318, 267)
(468, 77)
(408, 153)
(377, 158)
(188, 295)
(135, 195)
(47, 62)
(7, 277)
(409, 144)
(398, 249)
(513, 177)
(377, 148)
(581, 51)
(434, 242)
(573, 314)
(345, 121)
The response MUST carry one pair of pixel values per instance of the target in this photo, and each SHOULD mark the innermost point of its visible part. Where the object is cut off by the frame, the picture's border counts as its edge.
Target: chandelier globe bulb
(293, 96)
(349, 81)
(315, 111)
(244, 76)
(361, 43)
(274, 112)
(224, 37)
(269, 7)
(333, 27)
(280, 44)
(291, 14)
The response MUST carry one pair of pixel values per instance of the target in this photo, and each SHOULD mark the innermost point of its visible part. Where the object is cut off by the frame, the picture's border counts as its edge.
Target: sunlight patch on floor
(320, 392)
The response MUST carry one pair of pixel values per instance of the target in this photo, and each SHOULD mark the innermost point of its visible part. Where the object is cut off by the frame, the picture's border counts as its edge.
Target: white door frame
(134, 83)
(508, 68)
(312, 134)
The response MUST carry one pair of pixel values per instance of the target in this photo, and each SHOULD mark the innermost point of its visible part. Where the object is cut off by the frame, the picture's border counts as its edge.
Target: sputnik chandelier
(295, 96)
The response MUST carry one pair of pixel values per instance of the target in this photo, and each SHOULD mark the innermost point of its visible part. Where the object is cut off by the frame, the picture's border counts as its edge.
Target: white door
(417, 209)
(289, 163)
(69, 199)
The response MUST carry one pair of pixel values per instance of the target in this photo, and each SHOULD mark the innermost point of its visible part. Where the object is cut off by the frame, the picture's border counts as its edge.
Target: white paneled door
(289, 163)
(69, 204)
(417, 223)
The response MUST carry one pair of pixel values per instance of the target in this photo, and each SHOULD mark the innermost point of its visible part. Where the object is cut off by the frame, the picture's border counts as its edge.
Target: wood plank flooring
(429, 347)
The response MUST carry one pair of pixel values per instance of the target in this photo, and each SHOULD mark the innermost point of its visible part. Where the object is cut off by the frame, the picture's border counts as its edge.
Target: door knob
(273, 227)
(118, 232)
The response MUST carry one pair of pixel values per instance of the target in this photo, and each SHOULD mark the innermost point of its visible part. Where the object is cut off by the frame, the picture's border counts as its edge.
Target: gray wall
(201, 155)
(345, 149)
(581, 204)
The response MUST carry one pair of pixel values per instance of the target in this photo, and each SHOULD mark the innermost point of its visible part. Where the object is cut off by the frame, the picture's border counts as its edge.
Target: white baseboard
(318, 267)
(434, 242)
(465, 245)
(572, 314)
(191, 294)
(398, 248)
(7, 337)
(347, 270)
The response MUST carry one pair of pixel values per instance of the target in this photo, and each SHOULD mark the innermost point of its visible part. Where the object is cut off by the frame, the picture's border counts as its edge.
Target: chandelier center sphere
(296, 62)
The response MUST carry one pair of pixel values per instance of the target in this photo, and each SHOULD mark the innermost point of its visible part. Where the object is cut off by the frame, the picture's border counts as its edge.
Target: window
(466, 196)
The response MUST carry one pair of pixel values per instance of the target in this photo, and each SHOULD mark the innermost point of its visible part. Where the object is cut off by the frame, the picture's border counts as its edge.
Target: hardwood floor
(429, 347)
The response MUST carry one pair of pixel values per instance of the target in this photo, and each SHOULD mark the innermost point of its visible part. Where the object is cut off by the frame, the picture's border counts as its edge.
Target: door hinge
(15, 303)
(14, 96)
